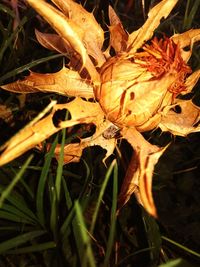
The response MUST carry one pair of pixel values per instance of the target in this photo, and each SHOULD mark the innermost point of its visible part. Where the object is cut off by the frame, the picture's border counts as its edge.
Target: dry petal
(65, 82)
(191, 81)
(73, 152)
(54, 42)
(136, 89)
(161, 10)
(42, 127)
(93, 35)
(68, 30)
(118, 36)
(183, 122)
(61, 24)
(186, 39)
(140, 171)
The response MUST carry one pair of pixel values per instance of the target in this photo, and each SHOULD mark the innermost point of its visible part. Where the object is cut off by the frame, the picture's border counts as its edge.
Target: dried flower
(134, 91)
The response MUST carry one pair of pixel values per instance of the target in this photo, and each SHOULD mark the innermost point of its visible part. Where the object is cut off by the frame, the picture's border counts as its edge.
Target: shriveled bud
(134, 88)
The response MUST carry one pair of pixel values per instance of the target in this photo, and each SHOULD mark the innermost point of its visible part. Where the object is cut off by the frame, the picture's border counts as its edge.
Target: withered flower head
(134, 91)
(135, 87)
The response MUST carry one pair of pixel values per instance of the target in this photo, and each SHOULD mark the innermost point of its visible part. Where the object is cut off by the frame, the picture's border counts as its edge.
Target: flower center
(161, 57)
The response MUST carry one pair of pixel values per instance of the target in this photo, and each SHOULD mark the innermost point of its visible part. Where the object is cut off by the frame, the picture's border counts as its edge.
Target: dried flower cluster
(134, 91)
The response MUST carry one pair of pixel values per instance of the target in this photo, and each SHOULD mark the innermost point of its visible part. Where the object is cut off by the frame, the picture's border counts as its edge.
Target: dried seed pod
(134, 88)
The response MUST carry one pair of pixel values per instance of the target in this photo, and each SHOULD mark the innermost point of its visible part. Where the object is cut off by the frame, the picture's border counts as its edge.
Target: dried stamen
(161, 57)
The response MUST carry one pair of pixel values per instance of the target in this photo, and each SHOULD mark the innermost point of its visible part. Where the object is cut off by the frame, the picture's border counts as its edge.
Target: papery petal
(65, 82)
(73, 152)
(43, 126)
(63, 26)
(54, 42)
(118, 36)
(161, 10)
(183, 122)
(187, 38)
(68, 30)
(140, 173)
(191, 81)
(93, 35)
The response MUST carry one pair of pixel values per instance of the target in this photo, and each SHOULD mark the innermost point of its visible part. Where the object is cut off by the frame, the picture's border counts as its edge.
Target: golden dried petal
(93, 35)
(187, 38)
(140, 171)
(130, 183)
(63, 26)
(54, 42)
(191, 81)
(69, 31)
(161, 10)
(118, 36)
(73, 152)
(83, 19)
(183, 122)
(65, 82)
(42, 127)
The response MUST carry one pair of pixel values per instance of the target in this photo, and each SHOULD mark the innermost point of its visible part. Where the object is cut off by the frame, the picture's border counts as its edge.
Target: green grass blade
(10, 187)
(42, 182)
(25, 185)
(19, 240)
(189, 15)
(124, 260)
(66, 231)
(7, 10)
(68, 220)
(190, 251)
(10, 39)
(60, 166)
(176, 263)
(71, 218)
(57, 192)
(18, 201)
(111, 237)
(84, 242)
(27, 188)
(15, 211)
(101, 193)
(54, 216)
(33, 248)
(153, 235)
(28, 66)
(12, 217)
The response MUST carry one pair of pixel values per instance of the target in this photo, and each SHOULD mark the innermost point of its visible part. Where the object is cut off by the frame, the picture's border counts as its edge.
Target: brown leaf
(68, 30)
(118, 36)
(73, 152)
(187, 39)
(44, 126)
(93, 35)
(62, 25)
(65, 82)
(181, 119)
(161, 10)
(191, 81)
(5, 113)
(130, 183)
(54, 42)
(140, 171)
